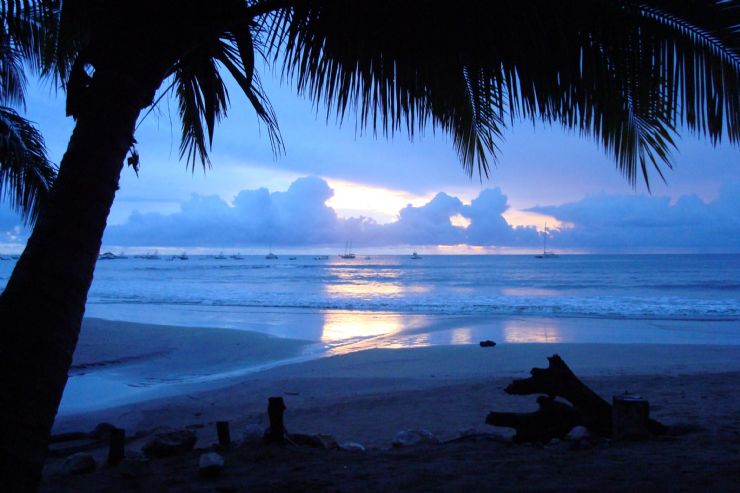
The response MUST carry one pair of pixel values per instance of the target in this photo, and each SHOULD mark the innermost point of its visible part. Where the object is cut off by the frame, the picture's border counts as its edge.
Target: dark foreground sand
(368, 397)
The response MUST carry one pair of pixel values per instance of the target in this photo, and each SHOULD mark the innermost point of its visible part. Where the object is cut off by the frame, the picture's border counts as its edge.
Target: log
(275, 409)
(553, 419)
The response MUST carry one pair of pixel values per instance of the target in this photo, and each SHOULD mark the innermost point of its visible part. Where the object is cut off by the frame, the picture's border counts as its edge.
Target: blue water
(656, 287)
(683, 287)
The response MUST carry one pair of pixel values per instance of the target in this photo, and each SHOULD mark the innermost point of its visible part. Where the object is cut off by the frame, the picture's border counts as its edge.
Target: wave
(575, 308)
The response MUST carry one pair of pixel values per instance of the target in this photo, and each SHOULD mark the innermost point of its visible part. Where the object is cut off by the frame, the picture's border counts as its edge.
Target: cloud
(12, 229)
(299, 216)
(624, 222)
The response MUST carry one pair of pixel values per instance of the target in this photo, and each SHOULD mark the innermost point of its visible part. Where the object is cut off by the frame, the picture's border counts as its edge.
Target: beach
(367, 396)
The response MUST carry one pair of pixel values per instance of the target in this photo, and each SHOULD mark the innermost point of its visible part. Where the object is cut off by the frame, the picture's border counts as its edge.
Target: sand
(369, 396)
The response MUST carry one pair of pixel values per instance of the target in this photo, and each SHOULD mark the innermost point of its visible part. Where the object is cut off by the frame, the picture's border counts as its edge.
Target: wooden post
(630, 417)
(115, 446)
(275, 409)
(224, 436)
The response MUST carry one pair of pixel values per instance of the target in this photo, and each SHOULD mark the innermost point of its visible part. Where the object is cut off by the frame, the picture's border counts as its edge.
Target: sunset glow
(382, 204)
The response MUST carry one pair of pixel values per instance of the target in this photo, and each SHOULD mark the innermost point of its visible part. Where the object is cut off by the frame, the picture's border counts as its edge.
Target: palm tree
(25, 171)
(624, 73)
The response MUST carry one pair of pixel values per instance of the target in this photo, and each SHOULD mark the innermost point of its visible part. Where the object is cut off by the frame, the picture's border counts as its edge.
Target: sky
(334, 184)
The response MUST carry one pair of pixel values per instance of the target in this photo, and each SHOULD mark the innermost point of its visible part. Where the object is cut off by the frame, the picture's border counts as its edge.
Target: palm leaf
(625, 73)
(202, 96)
(25, 173)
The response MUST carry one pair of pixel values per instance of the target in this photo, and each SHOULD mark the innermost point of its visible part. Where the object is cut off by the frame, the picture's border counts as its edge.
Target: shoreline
(118, 363)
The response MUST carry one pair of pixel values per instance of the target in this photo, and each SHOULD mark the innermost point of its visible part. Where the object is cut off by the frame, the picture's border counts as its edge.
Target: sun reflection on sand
(347, 331)
(341, 326)
(521, 331)
(463, 335)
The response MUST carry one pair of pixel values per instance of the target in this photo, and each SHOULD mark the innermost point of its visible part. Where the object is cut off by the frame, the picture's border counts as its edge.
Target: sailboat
(271, 256)
(348, 251)
(545, 253)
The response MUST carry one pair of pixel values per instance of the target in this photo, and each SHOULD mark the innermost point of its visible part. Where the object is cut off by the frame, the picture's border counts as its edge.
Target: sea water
(682, 287)
(390, 294)
(346, 305)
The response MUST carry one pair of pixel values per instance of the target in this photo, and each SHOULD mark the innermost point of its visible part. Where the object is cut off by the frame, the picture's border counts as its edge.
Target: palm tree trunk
(42, 306)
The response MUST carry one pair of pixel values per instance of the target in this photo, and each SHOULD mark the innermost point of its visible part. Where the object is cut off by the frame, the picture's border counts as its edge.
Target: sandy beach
(369, 396)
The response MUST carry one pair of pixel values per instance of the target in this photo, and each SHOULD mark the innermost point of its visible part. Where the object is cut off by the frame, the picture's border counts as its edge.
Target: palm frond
(202, 96)
(27, 39)
(25, 173)
(625, 73)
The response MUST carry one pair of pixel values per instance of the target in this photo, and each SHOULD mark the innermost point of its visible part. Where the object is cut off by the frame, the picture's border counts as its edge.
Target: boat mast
(544, 242)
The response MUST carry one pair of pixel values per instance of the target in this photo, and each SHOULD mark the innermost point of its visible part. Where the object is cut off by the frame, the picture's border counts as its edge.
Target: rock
(327, 442)
(79, 463)
(134, 465)
(352, 447)
(467, 432)
(210, 465)
(102, 432)
(170, 443)
(409, 438)
(252, 434)
(487, 343)
(577, 433)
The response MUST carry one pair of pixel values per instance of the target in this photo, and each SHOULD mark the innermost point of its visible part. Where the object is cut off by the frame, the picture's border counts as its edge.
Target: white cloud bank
(299, 217)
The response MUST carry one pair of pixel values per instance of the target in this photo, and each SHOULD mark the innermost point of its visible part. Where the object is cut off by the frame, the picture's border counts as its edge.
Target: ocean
(390, 300)
(383, 295)
(663, 287)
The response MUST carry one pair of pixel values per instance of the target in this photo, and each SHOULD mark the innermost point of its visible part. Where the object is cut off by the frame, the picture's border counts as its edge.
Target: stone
(467, 432)
(352, 447)
(134, 465)
(578, 433)
(487, 343)
(409, 438)
(79, 463)
(102, 432)
(210, 465)
(253, 433)
(170, 443)
(327, 442)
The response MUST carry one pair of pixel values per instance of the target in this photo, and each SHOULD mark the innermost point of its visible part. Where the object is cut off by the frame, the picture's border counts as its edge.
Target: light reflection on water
(524, 331)
(364, 289)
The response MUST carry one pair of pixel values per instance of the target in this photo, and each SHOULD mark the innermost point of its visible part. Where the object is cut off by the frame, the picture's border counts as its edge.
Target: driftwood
(554, 419)
(275, 410)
